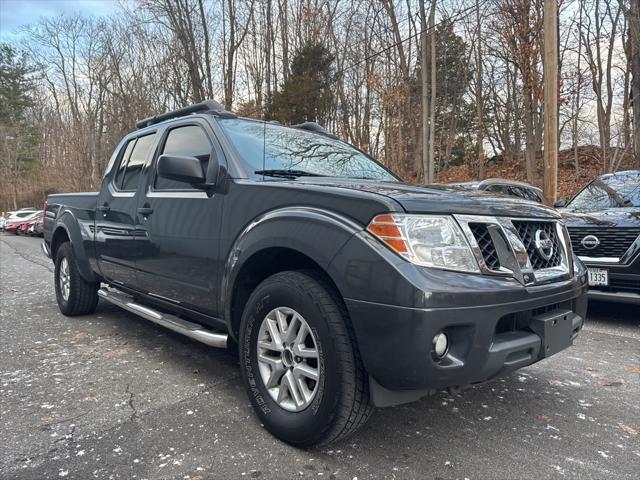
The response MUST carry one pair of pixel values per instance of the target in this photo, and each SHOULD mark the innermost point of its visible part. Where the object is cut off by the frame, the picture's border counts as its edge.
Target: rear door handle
(145, 211)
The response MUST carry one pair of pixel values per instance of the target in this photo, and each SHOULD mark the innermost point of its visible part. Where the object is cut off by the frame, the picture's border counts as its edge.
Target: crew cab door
(178, 260)
(115, 231)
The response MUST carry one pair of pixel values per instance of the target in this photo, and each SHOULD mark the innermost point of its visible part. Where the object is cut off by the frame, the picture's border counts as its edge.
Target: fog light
(440, 344)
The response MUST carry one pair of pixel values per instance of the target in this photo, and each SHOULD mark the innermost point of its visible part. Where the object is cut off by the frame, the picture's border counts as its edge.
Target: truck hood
(441, 198)
(610, 217)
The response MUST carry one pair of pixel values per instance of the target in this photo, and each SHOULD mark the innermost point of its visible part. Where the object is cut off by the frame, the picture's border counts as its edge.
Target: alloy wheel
(65, 279)
(288, 359)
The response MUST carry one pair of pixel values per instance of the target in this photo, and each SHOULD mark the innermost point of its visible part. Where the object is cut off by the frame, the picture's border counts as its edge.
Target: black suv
(342, 287)
(604, 223)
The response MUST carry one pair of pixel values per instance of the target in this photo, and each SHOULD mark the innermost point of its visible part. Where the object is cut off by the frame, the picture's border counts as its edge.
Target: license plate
(598, 276)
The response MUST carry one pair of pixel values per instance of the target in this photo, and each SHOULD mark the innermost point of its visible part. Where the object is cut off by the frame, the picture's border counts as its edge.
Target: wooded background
(72, 86)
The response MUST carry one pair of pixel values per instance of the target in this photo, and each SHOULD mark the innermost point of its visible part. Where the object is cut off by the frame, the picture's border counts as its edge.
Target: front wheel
(299, 361)
(75, 295)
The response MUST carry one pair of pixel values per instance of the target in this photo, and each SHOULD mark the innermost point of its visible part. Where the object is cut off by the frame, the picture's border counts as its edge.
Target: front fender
(81, 237)
(316, 233)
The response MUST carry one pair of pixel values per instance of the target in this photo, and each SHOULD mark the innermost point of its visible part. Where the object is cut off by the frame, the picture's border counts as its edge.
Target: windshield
(616, 190)
(268, 147)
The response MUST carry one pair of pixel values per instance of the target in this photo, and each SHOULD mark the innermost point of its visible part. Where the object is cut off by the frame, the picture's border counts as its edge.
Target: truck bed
(81, 200)
(79, 206)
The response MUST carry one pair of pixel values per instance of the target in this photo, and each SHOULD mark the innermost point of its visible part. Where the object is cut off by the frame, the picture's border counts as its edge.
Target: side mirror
(181, 169)
(560, 203)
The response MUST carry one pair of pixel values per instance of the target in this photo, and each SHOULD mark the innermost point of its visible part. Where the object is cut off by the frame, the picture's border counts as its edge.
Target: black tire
(341, 403)
(83, 296)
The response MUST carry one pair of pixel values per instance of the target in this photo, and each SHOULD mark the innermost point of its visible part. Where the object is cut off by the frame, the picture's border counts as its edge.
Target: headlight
(429, 240)
(578, 265)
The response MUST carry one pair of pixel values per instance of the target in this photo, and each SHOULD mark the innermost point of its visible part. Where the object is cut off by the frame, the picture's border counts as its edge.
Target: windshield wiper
(282, 172)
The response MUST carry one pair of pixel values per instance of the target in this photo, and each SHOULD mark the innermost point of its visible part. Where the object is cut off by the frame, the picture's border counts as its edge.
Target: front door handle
(145, 211)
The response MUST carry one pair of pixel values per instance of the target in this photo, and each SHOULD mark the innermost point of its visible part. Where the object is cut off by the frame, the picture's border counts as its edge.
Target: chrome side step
(190, 329)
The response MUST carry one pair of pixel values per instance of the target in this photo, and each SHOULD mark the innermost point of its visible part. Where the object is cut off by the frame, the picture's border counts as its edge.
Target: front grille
(488, 250)
(521, 247)
(521, 321)
(527, 232)
(614, 241)
(546, 309)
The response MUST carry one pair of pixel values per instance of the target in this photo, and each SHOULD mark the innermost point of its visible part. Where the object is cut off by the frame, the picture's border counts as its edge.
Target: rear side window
(525, 193)
(496, 189)
(533, 195)
(23, 214)
(137, 159)
(188, 141)
(123, 162)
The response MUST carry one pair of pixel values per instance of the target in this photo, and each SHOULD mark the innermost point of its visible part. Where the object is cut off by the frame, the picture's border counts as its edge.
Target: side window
(138, 158)
(526, 193)
(189, 141)
(516, 192)
(534, 195)
(117, 181)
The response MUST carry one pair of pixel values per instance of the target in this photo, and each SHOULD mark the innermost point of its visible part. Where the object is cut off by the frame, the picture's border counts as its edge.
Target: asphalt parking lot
(113, 396)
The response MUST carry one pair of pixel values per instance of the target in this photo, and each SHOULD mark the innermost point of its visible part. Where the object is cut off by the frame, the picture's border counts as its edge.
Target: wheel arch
(286, 239)
(260, 266)
(67, 229)
(60, 236)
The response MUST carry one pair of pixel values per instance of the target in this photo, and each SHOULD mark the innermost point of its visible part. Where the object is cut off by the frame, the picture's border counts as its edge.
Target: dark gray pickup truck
(341, 287)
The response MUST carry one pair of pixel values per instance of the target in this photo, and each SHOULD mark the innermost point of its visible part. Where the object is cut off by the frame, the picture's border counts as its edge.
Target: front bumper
(486, 341)
(624, 280)
(495, 324)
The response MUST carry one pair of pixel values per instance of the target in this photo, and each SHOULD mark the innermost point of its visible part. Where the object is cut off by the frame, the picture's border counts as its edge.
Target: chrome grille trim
(520, 266)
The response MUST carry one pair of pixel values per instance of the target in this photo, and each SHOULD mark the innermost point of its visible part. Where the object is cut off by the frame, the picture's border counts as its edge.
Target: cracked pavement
(113, 396)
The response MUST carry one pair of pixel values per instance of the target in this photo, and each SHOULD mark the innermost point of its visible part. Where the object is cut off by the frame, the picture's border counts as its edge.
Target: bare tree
(633, 52)
(601, 21)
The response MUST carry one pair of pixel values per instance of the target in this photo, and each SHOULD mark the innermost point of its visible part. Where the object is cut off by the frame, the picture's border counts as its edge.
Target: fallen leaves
(610, 383)
(569, 184)
(544, 418)
(46, 420)
(629, 430)
(632, 370)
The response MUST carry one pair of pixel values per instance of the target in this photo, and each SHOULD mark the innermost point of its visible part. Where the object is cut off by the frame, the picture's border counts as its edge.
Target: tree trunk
(228, 80)
(432, 113)
(530, 136)
(576, 110)
(634, 39)
(424, 76)
(479, 103)
(551, 100)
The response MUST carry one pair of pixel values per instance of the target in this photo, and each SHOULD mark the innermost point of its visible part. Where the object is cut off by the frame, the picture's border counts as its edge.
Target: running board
(189, 329)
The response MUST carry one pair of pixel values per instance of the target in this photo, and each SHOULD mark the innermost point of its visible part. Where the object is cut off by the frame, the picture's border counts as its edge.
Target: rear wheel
(300, 363)
(75, 295)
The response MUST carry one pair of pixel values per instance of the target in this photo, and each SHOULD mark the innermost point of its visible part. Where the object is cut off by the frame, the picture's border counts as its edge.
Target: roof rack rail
(205, 106)
(314, 127)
